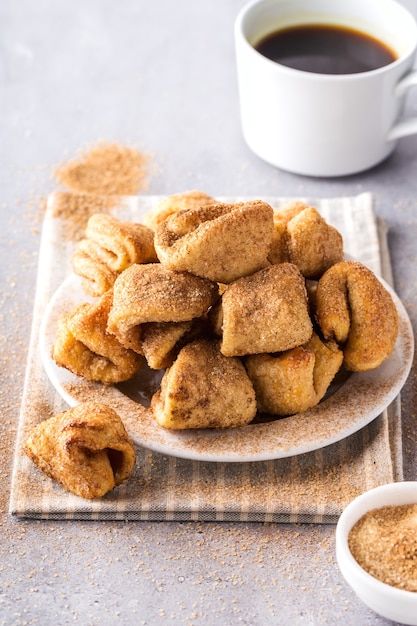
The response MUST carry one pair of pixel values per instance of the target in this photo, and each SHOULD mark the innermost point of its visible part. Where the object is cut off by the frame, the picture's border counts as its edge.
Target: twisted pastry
(221, 242)
(109, 247)
(152, 293)
(354, 309)
(264, 312)
(175, 203)
(161, 341)
(97, 277)
(84, 346)
(301, 236)
(296, 380)
(86, 449)
(204, 389)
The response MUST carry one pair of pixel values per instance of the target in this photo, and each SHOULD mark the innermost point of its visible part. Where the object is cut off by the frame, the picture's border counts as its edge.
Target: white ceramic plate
(359, 400)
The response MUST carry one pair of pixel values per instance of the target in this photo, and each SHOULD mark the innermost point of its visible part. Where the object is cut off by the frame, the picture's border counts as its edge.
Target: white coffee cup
(321, 124)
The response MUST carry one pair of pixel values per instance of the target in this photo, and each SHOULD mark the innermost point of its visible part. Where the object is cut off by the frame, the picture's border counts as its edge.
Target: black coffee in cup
(326, 49)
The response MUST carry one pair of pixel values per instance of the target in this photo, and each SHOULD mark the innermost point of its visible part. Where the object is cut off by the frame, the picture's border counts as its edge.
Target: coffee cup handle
(407, 126)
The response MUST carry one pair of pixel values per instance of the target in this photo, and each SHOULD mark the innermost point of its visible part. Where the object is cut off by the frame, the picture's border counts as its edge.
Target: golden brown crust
(84, 346)
(120, 243)
(152, 293)
(160, 342)
(328, 359)
(157, 294)
(303, 237)
(295, 380)
(278, 252)
(290, 209)
(332, 305)
(109, 247)
(175, 203)
(86, 449)
(96, 276)
(283, 383)
(204, 389)
(221, 242)
(265, 312)
(356, 310)
(314, 245)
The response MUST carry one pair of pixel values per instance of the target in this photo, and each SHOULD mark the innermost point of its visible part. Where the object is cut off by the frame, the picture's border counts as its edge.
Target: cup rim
(240, 35)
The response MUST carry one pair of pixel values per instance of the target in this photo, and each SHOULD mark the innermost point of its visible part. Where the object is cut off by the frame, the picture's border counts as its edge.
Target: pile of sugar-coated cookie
(248, 309)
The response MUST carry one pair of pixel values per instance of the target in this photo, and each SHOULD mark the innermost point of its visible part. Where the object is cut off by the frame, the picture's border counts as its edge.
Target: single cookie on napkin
(86, 449)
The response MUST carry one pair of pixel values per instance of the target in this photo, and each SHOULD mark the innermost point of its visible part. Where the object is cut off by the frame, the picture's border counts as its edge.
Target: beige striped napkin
(311, 487)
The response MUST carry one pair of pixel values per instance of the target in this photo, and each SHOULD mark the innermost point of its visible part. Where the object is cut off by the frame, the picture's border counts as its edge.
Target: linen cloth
(312, 487)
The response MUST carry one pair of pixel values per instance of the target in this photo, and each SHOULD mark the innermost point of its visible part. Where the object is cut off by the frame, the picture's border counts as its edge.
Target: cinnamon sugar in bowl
(376, 550)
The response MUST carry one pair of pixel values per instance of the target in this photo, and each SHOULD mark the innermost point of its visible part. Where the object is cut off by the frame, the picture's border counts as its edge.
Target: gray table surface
(161, 76)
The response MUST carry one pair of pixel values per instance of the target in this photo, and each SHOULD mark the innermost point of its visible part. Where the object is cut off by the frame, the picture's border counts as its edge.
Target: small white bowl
(389, 602)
